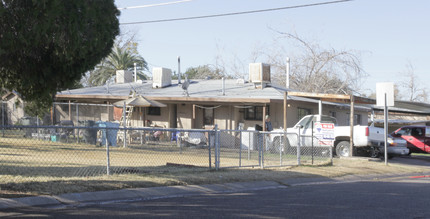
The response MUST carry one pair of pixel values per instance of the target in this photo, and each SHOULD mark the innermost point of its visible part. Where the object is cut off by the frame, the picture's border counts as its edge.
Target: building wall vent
(161, 77)
(124, 76)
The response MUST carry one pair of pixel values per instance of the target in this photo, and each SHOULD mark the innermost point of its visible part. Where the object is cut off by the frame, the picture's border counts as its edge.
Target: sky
(389, 34)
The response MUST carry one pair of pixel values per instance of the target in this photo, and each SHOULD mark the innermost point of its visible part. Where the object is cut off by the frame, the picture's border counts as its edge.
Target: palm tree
(121, 58)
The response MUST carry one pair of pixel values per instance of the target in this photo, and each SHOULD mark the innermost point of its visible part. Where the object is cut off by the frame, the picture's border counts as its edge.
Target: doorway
(208, 116)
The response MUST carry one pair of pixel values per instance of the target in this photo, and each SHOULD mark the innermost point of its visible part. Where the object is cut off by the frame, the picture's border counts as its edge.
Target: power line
(153, 5)
(236, 13)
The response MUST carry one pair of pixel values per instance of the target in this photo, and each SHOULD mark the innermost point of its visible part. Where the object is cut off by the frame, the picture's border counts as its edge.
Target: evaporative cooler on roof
(161, 77)
(259, 73)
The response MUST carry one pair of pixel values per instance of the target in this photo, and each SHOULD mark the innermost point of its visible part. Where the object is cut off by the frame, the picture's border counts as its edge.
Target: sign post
(385, 98)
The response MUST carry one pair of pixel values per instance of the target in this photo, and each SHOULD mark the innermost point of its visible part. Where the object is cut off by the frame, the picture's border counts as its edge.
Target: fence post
(125, 125)
(259, 147)
(217, 135)
(263, 148)
(298, 148)
(312, 139)
(210, 133)
(77, 122)
(280, 151)
(240, 148)
(107, 154)
(285, 142)
(37, 127)
(331, 155)
(2, 117)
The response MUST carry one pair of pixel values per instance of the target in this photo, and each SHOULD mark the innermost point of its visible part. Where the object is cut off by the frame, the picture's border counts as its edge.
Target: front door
(208, 116)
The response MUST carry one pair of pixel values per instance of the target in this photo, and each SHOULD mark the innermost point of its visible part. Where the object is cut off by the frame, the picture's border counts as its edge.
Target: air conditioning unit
(161, 77)
(259, 73)
(124, 76)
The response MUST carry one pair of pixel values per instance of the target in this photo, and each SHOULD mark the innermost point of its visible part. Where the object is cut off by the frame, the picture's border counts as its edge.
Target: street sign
(382, 89)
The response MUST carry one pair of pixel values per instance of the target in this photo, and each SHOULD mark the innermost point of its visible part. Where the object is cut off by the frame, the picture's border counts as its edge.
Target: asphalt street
(354, 196)
(398, 197)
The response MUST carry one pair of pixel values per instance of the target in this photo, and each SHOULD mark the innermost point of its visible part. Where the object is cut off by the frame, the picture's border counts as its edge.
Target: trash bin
(111, 133)
(89, 134)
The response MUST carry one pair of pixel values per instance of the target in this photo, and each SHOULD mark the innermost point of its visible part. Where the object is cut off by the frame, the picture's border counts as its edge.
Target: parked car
(396, 146)
(417, 138)
(366, 138)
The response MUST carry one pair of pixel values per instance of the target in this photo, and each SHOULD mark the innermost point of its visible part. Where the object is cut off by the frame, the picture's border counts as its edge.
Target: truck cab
(417, 137)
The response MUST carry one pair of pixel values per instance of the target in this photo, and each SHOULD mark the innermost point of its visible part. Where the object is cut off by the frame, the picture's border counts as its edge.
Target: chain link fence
(66, 151)
(79, 151)
(270, 149)
(74, 141)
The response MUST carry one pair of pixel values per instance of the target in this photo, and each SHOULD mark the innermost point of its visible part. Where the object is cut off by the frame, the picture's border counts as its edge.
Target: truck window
(417, 132)
(305, 121)
(404, 131)
(328, 119)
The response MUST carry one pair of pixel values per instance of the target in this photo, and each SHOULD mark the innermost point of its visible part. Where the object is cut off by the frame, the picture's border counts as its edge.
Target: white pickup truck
(365, 137)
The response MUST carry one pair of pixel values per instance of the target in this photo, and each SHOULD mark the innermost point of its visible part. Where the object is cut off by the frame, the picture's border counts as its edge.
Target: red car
(418, 138)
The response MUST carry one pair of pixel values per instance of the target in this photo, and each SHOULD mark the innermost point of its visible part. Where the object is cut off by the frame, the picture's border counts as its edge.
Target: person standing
(268, 124)
(268, 128)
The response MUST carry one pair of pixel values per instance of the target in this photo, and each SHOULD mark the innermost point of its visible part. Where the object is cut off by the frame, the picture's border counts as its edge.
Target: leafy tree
(203, 72)
(122, 57)
(47, 45)
(36, 108)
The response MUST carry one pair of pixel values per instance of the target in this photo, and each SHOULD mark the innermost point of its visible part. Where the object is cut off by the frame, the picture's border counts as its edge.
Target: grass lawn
(37, 167)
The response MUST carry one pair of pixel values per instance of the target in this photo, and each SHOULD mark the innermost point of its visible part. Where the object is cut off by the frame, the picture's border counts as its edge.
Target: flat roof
(210, 91)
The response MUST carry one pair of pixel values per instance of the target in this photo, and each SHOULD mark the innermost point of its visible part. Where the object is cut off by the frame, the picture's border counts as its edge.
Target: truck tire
(342, 149)
(374, 152)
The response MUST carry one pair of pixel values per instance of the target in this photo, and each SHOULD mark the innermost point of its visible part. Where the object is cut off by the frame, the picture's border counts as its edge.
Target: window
(411, 131)
(154, 111)
(332, 114)
(404, 131)
(357, 119)
(302, 112)
(307, 122)
(417, 132)
(255, 113)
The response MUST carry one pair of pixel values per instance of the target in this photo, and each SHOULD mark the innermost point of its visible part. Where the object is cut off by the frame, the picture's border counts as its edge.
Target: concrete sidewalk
(86, 198)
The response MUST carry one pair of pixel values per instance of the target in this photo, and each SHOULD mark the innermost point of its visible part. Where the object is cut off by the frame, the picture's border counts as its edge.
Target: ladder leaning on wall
(127, 121)
(128, 113)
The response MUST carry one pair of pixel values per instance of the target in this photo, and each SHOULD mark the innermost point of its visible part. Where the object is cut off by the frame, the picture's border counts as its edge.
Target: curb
(137, 194)
(85, 198)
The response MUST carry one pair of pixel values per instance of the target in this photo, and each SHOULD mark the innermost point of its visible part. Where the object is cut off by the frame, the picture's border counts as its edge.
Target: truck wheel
(374, 152)
(342, 149)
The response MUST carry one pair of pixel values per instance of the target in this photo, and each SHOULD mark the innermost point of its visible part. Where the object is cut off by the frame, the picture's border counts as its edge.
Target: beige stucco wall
(185, 112)
(159, 121)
